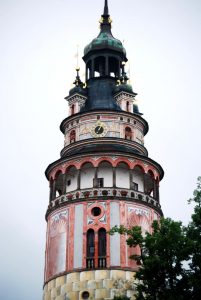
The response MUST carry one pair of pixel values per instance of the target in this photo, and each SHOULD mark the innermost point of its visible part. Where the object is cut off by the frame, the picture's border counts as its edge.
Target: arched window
(138, 179)
(128, 133)
(127, 106)
(89, 71)
(90, 249)
(72, 136)
(51, 189)
(150, 184)
(157, 195)
(102, 248)
(99, 66)
(58, 184)
(73, 109)
(113, 67)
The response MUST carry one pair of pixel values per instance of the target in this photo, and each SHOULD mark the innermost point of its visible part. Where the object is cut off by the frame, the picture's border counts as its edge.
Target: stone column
(95, 183)
(64, 184)
(114, 178)
(51, 190)
(144, 182)
(78, 179)
(157, 192)
(154, 189)
(96, 250)
(54, 189)
(131, 179)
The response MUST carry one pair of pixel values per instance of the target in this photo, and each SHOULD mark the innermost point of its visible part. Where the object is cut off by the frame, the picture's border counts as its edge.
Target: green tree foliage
(170, 257)
(162, 274)
(194, 235)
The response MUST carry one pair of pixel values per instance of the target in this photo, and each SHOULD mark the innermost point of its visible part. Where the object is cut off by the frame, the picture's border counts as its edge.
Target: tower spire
(106, 10)
(105, 19)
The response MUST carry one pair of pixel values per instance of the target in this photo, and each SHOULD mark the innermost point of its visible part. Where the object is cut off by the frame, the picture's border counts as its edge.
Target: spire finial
(105, 19)
(106, 10)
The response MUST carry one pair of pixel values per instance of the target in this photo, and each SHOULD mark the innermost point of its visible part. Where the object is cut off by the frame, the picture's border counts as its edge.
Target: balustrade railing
(102, 262)
(104, 193)
(90, 263)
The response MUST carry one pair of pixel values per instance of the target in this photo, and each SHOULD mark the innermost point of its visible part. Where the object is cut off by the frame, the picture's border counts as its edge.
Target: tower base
(91, 285)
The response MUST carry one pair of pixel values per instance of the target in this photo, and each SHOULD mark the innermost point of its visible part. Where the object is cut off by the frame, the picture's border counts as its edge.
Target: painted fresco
(57, 243)
(138, 216)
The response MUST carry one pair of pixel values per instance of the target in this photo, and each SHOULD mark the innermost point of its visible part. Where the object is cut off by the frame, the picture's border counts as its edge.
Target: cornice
(105, 141)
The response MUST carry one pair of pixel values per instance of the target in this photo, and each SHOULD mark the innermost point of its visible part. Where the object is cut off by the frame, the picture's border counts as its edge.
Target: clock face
(99, 130)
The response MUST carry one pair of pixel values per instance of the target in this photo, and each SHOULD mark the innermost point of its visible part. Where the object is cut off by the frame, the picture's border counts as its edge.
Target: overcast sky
(38, 43)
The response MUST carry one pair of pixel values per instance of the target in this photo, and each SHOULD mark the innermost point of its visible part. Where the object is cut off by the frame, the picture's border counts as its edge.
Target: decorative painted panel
(57, 243)
(138, 216)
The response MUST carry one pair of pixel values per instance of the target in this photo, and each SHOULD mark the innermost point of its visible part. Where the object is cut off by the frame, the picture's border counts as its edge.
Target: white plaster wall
(78, 236)
(61, 253)
(107, 174)
(114, 239)
(87, 176)
(139, 136)
(73, 179)
(138, 178)
(85, 136)
(76, 107)
(124, 105)
(122, 178)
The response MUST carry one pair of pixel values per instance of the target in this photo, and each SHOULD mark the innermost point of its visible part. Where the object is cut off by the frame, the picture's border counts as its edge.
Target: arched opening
(113, 67)
(104, 175)
(72, 136)
(138, 179)
(150, 187)
(87, 175)
(89, 70)
(102, 248)
(99, 66)
(122, 176)
(128, 133)
(51, 189)
(71, 179)
(58, 184)
(73, 109)
(90, 249)
(157, 190)
(127, 106)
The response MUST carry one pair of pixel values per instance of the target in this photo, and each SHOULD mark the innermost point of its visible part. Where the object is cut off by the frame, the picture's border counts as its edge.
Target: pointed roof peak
(105, 19)
(106, 9)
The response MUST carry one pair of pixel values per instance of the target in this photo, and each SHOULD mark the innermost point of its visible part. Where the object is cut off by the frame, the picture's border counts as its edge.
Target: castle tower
(103, 178)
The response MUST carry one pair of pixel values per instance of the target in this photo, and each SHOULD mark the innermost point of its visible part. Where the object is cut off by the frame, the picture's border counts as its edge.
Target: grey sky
(38, 43)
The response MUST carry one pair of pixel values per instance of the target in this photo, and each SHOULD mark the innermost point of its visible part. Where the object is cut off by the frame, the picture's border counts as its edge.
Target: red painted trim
(95, 163)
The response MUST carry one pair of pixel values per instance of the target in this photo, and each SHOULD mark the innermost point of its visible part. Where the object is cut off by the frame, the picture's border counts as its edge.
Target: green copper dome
(105, 40)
